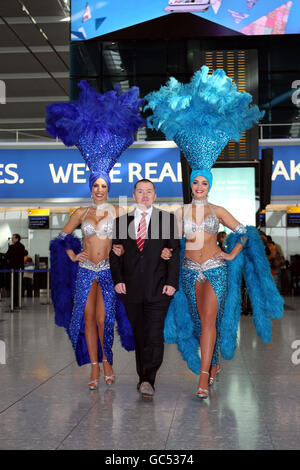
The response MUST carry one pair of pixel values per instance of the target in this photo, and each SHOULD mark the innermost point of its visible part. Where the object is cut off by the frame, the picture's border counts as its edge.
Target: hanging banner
(286, 170)
(61, 173)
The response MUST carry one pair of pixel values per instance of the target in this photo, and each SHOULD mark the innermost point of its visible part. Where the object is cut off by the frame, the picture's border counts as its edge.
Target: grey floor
(45, 402)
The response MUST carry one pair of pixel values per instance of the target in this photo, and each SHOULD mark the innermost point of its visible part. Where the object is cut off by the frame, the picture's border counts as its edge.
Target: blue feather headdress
(100, 125)
(203, 115)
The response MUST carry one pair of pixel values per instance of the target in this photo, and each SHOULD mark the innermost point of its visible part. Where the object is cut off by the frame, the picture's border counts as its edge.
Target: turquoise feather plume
(207, 103)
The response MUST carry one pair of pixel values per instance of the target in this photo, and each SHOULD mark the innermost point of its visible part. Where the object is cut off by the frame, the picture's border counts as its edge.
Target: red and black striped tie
(141, 232)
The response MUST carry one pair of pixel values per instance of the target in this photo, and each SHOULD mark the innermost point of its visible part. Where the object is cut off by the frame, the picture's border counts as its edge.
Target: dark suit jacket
(15, 256)
(145, 273)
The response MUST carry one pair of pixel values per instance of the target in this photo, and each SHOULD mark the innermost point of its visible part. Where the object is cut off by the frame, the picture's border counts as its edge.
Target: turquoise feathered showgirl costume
(102, 127)
(201, 117)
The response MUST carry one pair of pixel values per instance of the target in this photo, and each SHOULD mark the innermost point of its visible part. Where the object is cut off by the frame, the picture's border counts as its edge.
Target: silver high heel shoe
(212, 379)
(109, 379)
(202, 392)
(93, 384)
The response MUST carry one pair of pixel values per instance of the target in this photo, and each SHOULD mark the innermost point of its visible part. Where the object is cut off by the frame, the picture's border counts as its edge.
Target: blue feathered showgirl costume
(101, 126)
(201, 117)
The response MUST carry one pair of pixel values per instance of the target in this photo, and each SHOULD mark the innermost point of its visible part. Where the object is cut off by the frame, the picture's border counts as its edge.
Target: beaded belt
(211, 263)
(103, 264)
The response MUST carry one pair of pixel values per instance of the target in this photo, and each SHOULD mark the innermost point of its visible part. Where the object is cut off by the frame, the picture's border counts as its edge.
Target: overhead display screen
(93, 18)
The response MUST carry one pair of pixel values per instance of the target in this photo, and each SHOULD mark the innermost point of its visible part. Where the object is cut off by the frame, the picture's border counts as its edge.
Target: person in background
(264, 239)
(221, 238)
(15, 260)
(28, 277)
(278, 263)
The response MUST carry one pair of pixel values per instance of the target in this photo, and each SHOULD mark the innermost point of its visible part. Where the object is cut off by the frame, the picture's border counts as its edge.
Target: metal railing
(20, 271)
(290, 124)
(24, 134)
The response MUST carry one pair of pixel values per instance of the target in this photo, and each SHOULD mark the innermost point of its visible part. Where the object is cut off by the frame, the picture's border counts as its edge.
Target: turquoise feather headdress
(203, 115)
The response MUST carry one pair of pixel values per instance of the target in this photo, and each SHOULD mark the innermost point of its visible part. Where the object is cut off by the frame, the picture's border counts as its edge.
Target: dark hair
(17, 236)
(220, 234)
(144, 180)
(29, 259)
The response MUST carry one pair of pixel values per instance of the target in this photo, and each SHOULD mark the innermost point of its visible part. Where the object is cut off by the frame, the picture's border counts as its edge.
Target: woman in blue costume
(204, 271)
(83, 294)
(201, 117)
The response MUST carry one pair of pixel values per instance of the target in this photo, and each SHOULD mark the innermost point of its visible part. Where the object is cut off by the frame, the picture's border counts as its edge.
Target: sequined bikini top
(210, 224)
(105, 230)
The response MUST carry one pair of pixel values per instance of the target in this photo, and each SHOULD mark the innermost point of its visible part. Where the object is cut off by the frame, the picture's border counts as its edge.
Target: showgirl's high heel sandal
(109, 379)
(212, 379)
(93, 384)
(202, 392)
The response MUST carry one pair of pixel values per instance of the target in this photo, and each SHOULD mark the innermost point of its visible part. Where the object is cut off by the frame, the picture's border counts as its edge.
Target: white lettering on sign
(61, 175)
(7, 170)
(179, 172)
(289, 174)
(134, 169)
(77, 172)
(114, 172)
(280, 170)
(167, 171)
(150, 170)
(294, 169)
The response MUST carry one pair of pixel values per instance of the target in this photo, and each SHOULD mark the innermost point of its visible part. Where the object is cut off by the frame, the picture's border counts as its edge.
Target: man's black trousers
(147, 322)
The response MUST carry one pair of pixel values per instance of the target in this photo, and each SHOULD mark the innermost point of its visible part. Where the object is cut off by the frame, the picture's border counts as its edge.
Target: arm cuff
(62, 235)
(240, 229)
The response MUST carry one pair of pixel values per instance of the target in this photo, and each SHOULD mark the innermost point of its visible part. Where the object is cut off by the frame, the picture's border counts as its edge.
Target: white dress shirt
(138, 215)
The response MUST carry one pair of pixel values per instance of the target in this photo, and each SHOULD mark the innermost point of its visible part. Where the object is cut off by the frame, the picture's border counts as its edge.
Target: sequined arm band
(67, 240)
(240, 229)
(62, 235)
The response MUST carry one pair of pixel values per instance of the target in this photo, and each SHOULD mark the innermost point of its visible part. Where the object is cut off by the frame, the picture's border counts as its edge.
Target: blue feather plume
(95, 115)
(265, 299)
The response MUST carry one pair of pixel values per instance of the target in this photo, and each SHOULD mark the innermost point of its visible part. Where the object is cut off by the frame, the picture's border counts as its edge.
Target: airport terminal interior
(46, 49)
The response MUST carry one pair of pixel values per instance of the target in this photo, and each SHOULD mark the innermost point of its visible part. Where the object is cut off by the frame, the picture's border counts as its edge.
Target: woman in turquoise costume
(84, 299)
(201, 117)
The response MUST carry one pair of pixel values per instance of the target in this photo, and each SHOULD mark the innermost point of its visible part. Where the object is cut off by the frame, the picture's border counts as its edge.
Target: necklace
(103, 205)
(200, 202)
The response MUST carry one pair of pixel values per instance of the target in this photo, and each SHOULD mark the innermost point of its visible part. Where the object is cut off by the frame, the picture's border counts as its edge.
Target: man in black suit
(15, 260)
(145, 281)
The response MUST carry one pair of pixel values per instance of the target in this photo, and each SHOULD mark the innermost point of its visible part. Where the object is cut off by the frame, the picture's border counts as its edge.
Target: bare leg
(207, 306)
(100, 318)
(91, 333)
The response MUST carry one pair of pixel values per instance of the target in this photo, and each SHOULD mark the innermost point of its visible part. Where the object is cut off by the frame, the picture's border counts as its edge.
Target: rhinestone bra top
(210, 224)
(105, 229)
